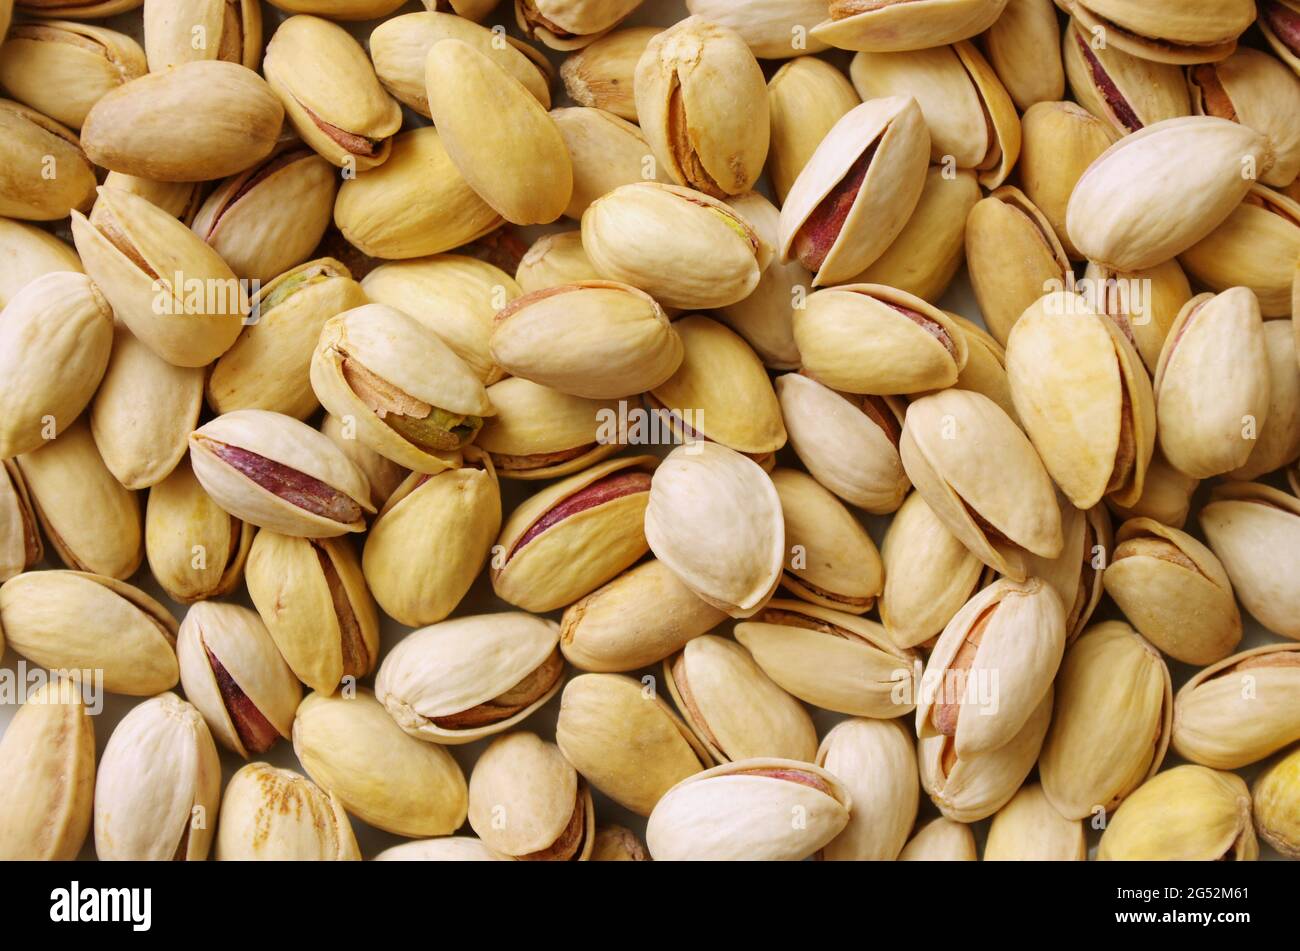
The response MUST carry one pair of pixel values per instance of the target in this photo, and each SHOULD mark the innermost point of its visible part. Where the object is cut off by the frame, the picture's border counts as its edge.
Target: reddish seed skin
(255, 731)
(1285, 24)
(1110, 92)
(296, 487)
(611, 487)
(818, 235)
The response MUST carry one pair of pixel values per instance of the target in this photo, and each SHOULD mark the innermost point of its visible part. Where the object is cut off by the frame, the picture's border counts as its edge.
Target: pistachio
(1185, 813)
(875, 761)
(570, 24)
(20, 541)
(806, 98)
(181, 200)
(540, 433)
(1166, 495)
(1274, 802)
(78, 8)
(1029, 829)
(773, 29)
(986, 366)
(349, 9)
(894, 25)
(617, 844)
(270, 814)
(1021, 48)
(451, 848)
(1278, 442)
(28, 252)
(1256, 90)
(1168, 31)
(606, 152)
(1127, 91)
(1279, 21)
(31, 144)
(1076, 573)
(229, 30)
(940, 840)
(603, 74)
(1144, 303)
(553, 260)
(383, 474)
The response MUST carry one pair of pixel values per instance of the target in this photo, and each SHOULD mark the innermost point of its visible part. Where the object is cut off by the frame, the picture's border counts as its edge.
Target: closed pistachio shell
(1169, 31)
(28, 252)
(26, 139)
(602, 74)
(941, 840)
(1076, 573)
(231, 30)
(1166, 496)
(20, 539)
(806, 97)
(773, 29)
(1256, 90)
(1021, 47)
(618, 844)
(1274, 806)
(270, 814)
(1278, 442)
(875, 761)
(570, 24)
(1128, 92)
(606, 152)
(897, 25)
(1188, 813)
(452, 848)
(1029, 829)
(540, 433)
(553, 260)
(1144, 303)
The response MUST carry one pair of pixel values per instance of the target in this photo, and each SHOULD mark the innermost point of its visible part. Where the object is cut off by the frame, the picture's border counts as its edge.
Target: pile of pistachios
(543, 430)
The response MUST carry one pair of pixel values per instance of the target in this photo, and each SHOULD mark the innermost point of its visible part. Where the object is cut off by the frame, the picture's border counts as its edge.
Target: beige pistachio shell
(553, 260)
(570, 24)
(941, 840)
(383, 474)
(1274, 805)
(1144, 303)
(1169, 31)
(1021, 48)
(159, 785)
(1076, 573)
(909, 25)
(1166, 496)
(78, 8)
(1256, 90)
(618, 844)
(986, 366)
(229, 30)
(351, 748)
(277, 815)
(1126, 91)
(1278, 441)
(78, 621)
(20, 539)
(28, 252)
(1029, 829)
(606, 152)
(452, 848)
(27, 138)
(48, 754)
(1188, 813)
(355, 9)
(602, 74)
(806, 97)
(181, 200)
(541, 433)
(1277, 17)
(875, 761)
(773, 29)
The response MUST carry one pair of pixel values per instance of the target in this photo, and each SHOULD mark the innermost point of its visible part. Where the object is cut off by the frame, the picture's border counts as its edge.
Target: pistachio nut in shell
(218, 118)
(58, 320)
(527, 802)
(855, 194)
(741, 811)
(347, 9)
(1275, 798)
(231, 31)
(312, 597)
(541, 433)
(383, 474)
(617, 844)
(26, 138)
(1029, 829)
(986, 366)
(414, 400)
(806, 97)
(158, 786)
(48, 754)
(196, 549)
(341, 111)
(519, 165)
(1188, 813)
(684, 248)
(555, 259)
(1084, 398)
(702, 103)
(733, 708)
(773, 29)
(895, 25)
(181, 200)
(88, 9)
(20, 539)
(1280, 23)
(1168, 31)
(875, 761)
(431, 540)
(997, 499)
(75, 620)
(606, 152)
(832, 660)
(1212, 384)
(570, 24)
(448, 848)
(638, 619)
(1278, 442)
(596, 339)
(270, 814)
(351, 747)
(1021, 48)
(1144, 303)
(1076, 573)
(1240, 710)
(470, 677)
(1166, 496)
(30, 252)
(1110, 731)
(941, 840)
(570, 538)
(602, 74)
(1254, 528)
(848, 443)
(62, 68)
(173, 290)
(277, 473)
(1126, 91)
(625, 740)
(1140, 204)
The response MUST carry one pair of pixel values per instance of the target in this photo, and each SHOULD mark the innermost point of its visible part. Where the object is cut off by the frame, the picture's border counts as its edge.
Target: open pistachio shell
(26, 139)
(1144, 303)
(1128, 92)
(895, 25)
(986, 366)
(1029, 829)
(1168, 31)
(1021, 47)
(231, 30)
(875, 761)
(806, 97)
(1166, 496)
(570, 24)
(270, 814)
(20, 539)
(1278, 442)
(1280, 23)
(1256, 90)
(1076, 573)
(941, 840)
(541, 433)
(383, 474)
(1188, 813)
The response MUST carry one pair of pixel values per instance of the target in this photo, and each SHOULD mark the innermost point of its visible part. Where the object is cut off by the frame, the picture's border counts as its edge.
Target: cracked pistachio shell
(1256, 90)
(527, 802)
(400, 45)
(1254, 529)
(595, 339)
(941, 840)
(1083, 397)
(62, 68)
(1029, 829)
(683, 247)
(625, 740)
(968, 789)
(981, 476)
(1278, 441)
(277, 473)
(181, 200)
(867, 338)
(1166, 496)
(773, 29)
(330, 92)
(350, 9)
(351, 747)
(602, 74)
(76, 620)
(929, 574)
(553, 260)
(733, 708)
(1212, 384)
(431, 540)
(1014, 258)
(741, 812)
(875, 761)
(900, 25)
(48, 755)
(570, 24)
(1144, 303)
(702, 103)
(832, 660)
(218, 118)
(273, 815)
(471, 677)
(606, 152)
(1076, 573)
(541, 433)
(1021, 48)
(634, 621)
(722, 390)
(1126, 91)
(384, 475)
(806, 97)
(518, 163)
(873, 161)
(159, 785)
(1110, 731)
(830, 559)
(62, 321)
(267, 366)
(89, 518)
(986, 366)
(1188, 813)
(1275, 802)
(1279, 22)
(196, 550)
(571, 537)
(618, 844)
(173, 290)
(848, 443)
(1240, 710)
(1168, 31)
(313, 600)
(30, 144)
(1175, 591)
(1141, 202)
(1256, 248)
(20, 541)
(28, 252)
(714, 518)
(1006, 641)
(143, 412)
(451, 848)
(229, 30)
(415, 402)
